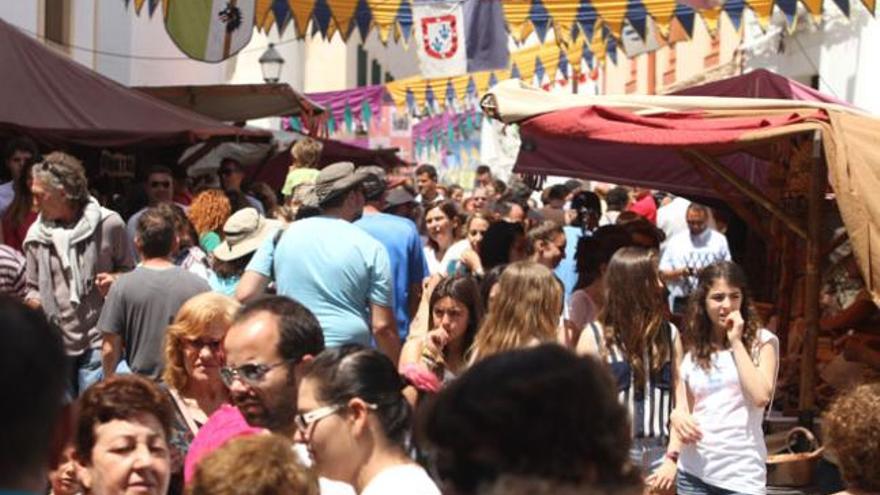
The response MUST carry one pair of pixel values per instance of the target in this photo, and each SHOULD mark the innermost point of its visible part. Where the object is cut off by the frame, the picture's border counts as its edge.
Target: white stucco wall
(841, 51)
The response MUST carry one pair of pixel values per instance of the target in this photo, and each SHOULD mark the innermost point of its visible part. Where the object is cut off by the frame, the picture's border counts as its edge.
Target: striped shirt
(12, 278)
(650, 406)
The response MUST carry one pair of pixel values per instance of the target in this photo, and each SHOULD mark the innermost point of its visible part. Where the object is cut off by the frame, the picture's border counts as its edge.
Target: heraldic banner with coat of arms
(439, 32)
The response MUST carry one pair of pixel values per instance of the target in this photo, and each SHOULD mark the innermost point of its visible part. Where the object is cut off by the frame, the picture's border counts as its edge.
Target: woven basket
(794, 469)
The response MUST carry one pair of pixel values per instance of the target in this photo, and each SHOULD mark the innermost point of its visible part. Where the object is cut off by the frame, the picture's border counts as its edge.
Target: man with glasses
(159, 186)
(271, 340)
(231, 177)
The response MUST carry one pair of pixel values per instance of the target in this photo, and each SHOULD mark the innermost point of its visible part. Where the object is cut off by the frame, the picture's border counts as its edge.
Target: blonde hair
(306, 153)
(257, 464)
(191, 321)
(209, 211)
(527, 308)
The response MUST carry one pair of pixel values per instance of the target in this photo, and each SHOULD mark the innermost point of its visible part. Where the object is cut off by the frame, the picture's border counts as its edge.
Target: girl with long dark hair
(728, 375)
(642, 349)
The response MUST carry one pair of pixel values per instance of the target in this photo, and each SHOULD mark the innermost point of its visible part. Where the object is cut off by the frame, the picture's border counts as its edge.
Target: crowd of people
(374, 333)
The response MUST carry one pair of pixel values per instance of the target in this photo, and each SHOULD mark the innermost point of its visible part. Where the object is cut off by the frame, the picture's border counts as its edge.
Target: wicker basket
(794, 469)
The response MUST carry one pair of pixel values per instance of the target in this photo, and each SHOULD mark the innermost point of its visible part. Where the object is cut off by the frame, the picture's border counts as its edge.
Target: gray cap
(399, 196)
(336, 179)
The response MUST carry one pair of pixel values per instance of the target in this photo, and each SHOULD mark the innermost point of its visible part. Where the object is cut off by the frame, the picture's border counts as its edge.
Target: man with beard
(332, 267)
(270, 342)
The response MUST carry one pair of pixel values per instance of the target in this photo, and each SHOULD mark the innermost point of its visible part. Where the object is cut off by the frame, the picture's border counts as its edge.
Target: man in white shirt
(688, 252)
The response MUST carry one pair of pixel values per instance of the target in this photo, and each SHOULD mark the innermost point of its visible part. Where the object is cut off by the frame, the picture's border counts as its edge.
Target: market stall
(772, 158)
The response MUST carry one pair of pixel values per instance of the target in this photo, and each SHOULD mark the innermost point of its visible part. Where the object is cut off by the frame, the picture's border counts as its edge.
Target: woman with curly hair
(193, 357)
(208, 212)
(525, 311)
(851, 428)
(728, 375)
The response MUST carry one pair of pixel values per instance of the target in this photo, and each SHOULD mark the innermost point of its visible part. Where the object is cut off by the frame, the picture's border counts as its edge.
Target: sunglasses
(160, 183)
(251, 374)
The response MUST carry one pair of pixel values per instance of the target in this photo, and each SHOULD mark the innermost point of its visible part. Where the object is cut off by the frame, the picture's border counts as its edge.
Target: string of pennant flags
(568, 19)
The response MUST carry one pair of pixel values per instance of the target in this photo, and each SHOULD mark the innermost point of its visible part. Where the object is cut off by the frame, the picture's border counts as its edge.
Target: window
(56, 22)
(376, 73)
(361, 66)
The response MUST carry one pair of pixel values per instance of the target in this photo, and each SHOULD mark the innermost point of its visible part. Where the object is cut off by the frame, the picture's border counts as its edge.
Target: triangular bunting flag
(514, 72)
(261, 10)
(450, 94)
(789, 8)
(685, 16)
(562, 18)
(363, 16)
(348, 118)
(410, 100)
(366, 114)
(331, 125)
(870, 4)
(154, 4)
(586, 18)
(281, 11)
(763, 10)
(588, 56)
(429, 98)
(471, 88)
(295, 123)
(405, 19)
(563, 66)
(843, 5)
(493, 80)
(539, 70)
(343, 13)
(637, 16)
(322, 17)
(610, 45)
(540, 19)
(734, 10)
(710, 18)
(138, 5)
(516, 13)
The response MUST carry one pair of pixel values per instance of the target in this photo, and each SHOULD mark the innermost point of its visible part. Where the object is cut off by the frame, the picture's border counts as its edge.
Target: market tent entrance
(680, 144)
(59, 102)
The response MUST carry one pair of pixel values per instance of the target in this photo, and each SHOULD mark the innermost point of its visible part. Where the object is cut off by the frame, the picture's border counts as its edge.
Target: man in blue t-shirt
(332, 267)
(400, 236)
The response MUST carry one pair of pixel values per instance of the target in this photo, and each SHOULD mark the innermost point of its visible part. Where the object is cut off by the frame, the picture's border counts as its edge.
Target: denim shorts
(688, 484)
(647, 454)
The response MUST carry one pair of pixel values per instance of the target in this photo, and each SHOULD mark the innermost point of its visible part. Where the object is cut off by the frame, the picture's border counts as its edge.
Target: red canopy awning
(59, 102)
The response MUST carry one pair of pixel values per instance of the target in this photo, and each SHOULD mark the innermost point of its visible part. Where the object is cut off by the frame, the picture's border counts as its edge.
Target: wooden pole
(818, 179)
(748, 190)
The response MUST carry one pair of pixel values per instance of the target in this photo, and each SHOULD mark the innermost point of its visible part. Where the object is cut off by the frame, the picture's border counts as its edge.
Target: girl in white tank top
(728, 375)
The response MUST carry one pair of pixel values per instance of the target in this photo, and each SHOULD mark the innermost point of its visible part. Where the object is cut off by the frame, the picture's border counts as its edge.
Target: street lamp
(270, 63)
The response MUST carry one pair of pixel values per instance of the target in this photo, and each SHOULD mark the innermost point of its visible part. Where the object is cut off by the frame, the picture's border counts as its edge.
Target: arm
(111, 353)
(31, 277)
(663, 479)
(586, 344)
(385, 331)
(418, 327)
(758, 382)
(251, 285)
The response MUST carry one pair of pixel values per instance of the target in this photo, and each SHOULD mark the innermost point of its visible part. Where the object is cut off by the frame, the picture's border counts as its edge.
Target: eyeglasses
(305, 420)
(160, 183)
(199, 344)
(250, 373)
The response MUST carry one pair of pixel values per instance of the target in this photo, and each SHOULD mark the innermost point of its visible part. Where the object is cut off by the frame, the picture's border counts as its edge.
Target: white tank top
(732, 454)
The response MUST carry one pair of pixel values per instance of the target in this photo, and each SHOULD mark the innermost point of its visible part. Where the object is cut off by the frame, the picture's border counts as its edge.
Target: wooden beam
(198, 154)
(748, 190)
(812, 285)
(733, 201)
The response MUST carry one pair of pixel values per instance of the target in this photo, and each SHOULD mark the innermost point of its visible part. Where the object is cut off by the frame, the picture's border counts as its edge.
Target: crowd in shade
(376, 332)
